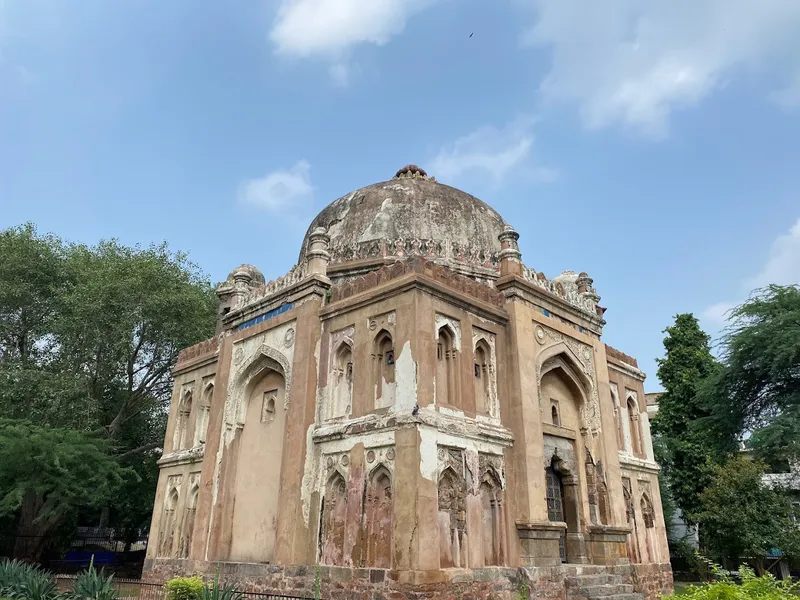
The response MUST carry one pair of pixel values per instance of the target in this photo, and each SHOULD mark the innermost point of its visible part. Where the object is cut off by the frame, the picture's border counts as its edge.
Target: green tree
(758, 390)
(742, 518)
(46, 472)
(88, 340)
(682, 446)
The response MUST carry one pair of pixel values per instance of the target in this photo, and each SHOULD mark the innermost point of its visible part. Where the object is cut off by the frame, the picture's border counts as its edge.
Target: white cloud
(634, 62)
(329, 28)
(280, 191)
(782, 268)
(716, 314)
(491, 151)
(783, 265)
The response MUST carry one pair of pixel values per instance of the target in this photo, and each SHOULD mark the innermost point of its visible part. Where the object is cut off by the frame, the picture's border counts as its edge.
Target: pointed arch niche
(203, 412)
(448, 344)
(383, 379)
(333, 519)
(254, 438)
(484, 372)
(649, 520)
(340, 381)
(379, 518)
(166, 537)
(492, 519)
(634, 424)
(180, 439)
(189, 511)
(630, 514)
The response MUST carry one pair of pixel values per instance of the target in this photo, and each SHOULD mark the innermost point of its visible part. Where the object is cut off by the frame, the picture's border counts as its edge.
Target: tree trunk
(33, 534)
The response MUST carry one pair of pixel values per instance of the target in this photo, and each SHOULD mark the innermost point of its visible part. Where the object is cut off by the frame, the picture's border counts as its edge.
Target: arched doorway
(564, 506)
(555, 507)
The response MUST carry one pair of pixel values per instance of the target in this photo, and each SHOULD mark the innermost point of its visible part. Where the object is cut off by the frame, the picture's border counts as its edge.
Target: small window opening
(556, 419)
(390, 357)
(268, 408)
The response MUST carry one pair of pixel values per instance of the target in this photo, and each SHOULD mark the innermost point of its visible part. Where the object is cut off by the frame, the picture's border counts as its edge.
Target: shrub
(19, 580)
(94, 585)
(724, 587)
(227, 591)
(185, 588)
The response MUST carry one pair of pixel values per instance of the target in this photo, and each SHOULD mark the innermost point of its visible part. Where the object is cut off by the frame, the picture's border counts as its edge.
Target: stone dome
(411, 215)
(250, 274)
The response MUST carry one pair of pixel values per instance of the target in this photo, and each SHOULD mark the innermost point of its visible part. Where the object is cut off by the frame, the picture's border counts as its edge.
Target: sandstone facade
(411, 411)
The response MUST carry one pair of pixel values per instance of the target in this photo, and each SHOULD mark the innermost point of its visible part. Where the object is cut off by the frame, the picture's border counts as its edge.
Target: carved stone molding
(380, 456)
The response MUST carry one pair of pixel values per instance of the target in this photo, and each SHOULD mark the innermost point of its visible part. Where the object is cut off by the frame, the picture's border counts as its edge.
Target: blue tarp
(82, 558)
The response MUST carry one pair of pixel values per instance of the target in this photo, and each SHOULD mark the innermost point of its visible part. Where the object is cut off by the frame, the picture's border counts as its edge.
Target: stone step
(605, 591)
(604, 578)
(580, 570)
(632, 596)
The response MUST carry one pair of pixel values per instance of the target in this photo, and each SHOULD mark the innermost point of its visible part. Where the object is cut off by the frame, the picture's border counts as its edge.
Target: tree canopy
(46, 472)
(88, 339)
(742, 517)
(682, 447)
(758, 390)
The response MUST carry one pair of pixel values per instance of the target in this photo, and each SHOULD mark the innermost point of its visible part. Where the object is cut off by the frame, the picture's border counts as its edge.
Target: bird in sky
(470, 35)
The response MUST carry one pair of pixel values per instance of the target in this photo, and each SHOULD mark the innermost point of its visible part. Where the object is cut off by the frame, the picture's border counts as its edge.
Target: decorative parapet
(295, 275)
(575, 289)
(621, 356)
(422, 247)
(421, 266)
(207, 347)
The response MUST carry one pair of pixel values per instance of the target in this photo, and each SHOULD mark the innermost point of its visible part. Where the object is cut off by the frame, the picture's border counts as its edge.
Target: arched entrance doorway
(555, 507)
(564, 506)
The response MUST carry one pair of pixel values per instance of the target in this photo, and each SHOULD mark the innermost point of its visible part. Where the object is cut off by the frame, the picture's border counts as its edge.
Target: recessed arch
(446, 366)
(340, 383)
(561, 356)
(383, 369)
(333, 519)
(484, 381)
(379, 517)
(267, 357)
(452, 525)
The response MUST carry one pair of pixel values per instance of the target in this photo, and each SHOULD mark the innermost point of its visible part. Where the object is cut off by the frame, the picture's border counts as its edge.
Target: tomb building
(411, 409)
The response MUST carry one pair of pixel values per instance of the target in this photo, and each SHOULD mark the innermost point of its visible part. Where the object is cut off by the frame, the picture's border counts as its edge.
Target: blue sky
(654, 145)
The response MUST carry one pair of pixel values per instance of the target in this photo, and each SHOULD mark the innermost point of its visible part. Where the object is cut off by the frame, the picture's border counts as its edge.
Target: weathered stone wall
(651, 580)
(340, 583)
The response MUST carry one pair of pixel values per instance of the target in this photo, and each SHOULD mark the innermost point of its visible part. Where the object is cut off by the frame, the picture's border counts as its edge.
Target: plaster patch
(398, 187)
(428, 456)
(310, 474)
(406, 380)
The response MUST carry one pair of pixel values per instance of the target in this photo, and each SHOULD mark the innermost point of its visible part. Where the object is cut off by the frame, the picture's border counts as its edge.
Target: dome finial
(412, 171)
